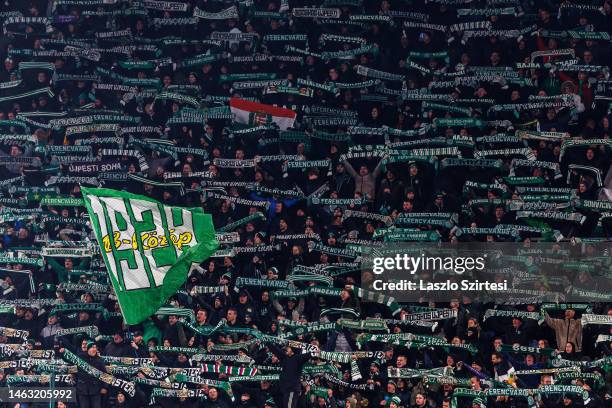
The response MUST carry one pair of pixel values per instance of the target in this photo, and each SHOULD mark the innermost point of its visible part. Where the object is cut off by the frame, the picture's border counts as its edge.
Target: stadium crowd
(414, 121)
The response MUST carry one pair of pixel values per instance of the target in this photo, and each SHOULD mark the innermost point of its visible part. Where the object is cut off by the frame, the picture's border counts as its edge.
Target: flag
(253, 113)
(149, 248)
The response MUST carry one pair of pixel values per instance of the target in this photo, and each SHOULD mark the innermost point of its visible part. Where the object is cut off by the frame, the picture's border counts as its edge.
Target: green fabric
(144, 278)
(151, 331)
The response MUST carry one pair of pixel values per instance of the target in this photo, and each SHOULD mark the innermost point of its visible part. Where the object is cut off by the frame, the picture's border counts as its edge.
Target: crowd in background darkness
(479, 121)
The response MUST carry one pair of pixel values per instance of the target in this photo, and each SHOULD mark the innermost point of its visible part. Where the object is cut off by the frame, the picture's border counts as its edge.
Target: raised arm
(277, 306)
(305, 357)
(300, 306)
(552, 323)
(377, 170)
(349, 169)
(276, 350)
(60, 270)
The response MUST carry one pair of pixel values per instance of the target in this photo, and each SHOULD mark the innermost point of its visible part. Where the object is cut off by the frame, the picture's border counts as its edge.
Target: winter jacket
(566, 331)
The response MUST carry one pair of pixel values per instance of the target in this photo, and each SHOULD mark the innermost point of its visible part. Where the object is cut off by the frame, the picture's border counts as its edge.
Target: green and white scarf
(228, 13)
(587, 319)
(126, 386)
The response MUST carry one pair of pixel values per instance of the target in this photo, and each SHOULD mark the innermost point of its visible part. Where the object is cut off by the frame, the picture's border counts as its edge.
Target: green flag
(149, 248)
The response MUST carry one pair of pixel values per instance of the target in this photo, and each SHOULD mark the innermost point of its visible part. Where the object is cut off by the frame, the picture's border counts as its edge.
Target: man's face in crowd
(590, 154)
(231, 315)
(333, 74)
(172, 320)
(499, 212)
(420, 400)
(22, 233)
(92, 351)
(569, 314)
(283, 224)
(291, 304)
(495, 59)
(201, 316)
(402, 361)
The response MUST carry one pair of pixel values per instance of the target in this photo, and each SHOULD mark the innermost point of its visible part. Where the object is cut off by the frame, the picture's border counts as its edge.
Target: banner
(148, 248)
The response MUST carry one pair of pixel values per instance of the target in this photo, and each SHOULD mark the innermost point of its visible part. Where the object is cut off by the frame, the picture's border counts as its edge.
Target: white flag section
(254, 113)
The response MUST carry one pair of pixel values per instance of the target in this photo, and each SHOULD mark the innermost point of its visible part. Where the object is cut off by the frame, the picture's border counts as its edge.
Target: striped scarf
(201, 290)
(377, 297)
(229, 370)
(125, 386)
(142, 162)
